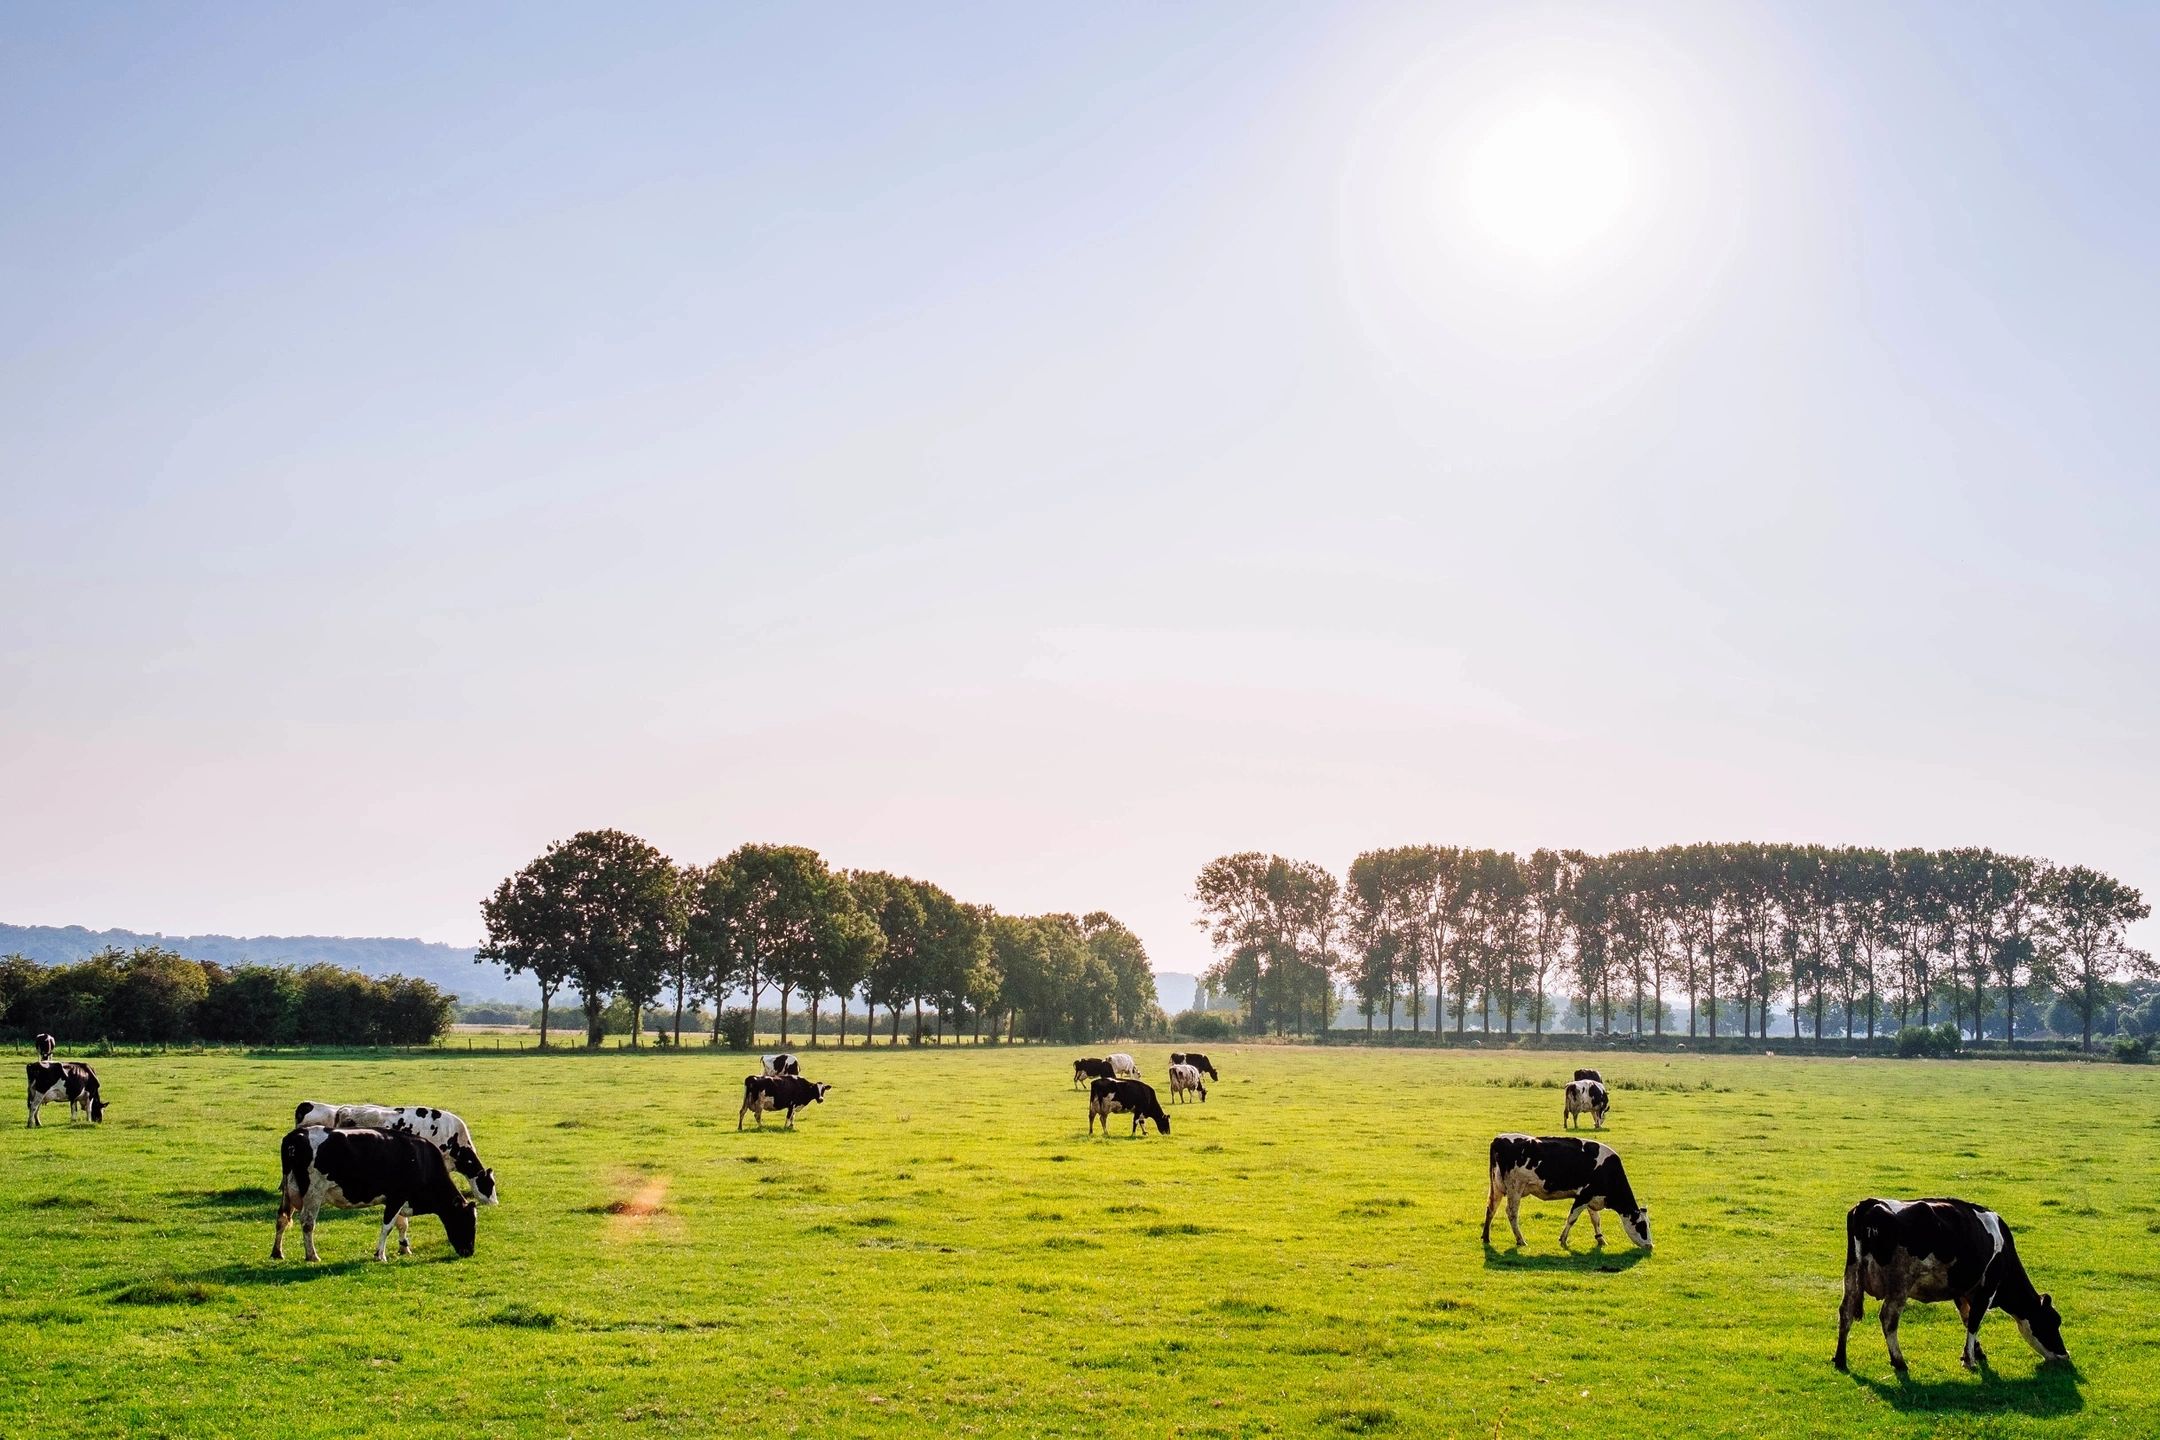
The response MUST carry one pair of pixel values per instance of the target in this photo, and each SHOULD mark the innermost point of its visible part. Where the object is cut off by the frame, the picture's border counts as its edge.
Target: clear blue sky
(1041, 447)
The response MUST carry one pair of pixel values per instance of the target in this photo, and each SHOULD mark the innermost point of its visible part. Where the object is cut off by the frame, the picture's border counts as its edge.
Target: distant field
(941, 1249)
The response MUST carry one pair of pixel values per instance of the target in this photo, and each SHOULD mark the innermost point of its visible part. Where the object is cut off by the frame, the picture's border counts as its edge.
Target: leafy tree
(894, 974)
(2087, 916)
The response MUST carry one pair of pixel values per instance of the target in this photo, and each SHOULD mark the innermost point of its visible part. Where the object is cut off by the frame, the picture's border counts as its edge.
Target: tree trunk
(814, 999)
(593, 1011)
(787, 993)
(678, 1014)
(547, 999)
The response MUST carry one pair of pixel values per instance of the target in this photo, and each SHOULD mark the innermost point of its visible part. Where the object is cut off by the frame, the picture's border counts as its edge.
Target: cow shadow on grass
(2052, 1389)
(283, 1272)
(1593, 1261)
(237, 1197)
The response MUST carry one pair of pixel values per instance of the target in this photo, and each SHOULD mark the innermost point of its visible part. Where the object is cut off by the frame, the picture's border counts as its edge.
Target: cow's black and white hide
(1584, 1097)
(51, 1081)
(1590, 1075)
(444, 1130)
(46, 1044)
(1195, 1059)
(1091, 1070)
(1122, 1064)
(1185, 1082)
(783, 1063)
(1563, 1167)
(353, 1169)
(1928, 1250)
(778, 1092)
(1125, 1097)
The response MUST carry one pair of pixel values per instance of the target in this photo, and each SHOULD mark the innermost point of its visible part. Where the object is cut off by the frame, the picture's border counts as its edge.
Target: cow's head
(97, 1110)
(458, 1223)
(821, 1089)
(1162, 1121)
(466, 1161)
(1637, 1225)
(2043, 1330)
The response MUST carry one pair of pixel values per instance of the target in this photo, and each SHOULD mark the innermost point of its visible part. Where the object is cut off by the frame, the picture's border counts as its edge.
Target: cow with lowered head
(761, 1093)
(1584, 1097)
(46, 1044)
(1900, 1251)
(69, 1080)
(783, 1062)
(1195, 1059)
(1125, 1097)
(1563, 1167)
(449, 1134)
(352, 1169)
(1590, 1075)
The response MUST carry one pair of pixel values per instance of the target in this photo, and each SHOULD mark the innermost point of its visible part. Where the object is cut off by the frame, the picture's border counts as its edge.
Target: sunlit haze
(1042, 448)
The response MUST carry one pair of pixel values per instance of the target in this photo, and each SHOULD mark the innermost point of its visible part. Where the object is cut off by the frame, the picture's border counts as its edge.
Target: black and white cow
(1584, 1097)
(1927, 1250)
(1091, 1070)
(352, 1169)
(761, 1093)
(783, 1063)
(1590, 1075)
(1122, 1064)
(1563, 1167)
(1195, 1059)
(1125, 1097)
(46, 1044)
(444, 1130)
(55, 1080)
(1185, 1081)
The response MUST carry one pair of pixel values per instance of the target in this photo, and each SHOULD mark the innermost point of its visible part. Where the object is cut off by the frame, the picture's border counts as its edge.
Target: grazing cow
(784, 1063)
(52, 1080)
(1125, 1097)
(439, 1127)
(761, 1093)
(1195, 1059)
(1590, 1075)
(1184, 1080)
(45, 1045)
(1584, 1097)
(1926, 1250)
(352, 1169)
(1091, 1070)
(1123, 1065)
(1563, 1167)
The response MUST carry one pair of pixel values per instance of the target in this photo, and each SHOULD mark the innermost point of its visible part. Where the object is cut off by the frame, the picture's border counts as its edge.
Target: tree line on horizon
(1858, 934)
(606, 916)
(155, 996)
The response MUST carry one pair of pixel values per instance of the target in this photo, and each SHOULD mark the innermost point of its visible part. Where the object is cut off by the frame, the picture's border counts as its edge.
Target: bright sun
(1549, 179)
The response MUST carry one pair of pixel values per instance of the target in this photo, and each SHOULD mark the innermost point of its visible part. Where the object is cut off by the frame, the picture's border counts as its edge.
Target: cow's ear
(2047, 1301)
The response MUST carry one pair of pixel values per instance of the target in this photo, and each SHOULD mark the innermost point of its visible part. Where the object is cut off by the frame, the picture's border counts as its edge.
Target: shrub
(735, 1028)
(1201, 1025)
(2132, 1049)
(1916, 1042)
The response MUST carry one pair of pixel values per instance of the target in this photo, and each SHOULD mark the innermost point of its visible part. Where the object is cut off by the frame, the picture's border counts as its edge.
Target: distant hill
(450, 967)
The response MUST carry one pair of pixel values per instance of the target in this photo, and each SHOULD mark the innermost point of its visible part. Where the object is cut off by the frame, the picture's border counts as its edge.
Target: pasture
(940, 1248)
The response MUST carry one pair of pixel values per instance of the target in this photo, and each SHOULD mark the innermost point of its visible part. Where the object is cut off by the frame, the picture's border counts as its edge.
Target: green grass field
(941, 1248)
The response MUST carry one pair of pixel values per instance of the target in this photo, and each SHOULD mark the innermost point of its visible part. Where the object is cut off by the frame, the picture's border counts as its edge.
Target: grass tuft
(520, 1316)
(166, 1290)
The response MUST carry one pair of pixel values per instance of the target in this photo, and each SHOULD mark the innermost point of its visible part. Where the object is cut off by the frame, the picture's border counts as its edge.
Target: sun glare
(1549, 179)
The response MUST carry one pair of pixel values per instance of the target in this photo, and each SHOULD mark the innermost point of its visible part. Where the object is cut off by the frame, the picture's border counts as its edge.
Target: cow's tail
(293, 1157)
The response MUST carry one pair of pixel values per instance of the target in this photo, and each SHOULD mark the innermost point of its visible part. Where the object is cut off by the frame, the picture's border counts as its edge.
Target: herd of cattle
(404, 1159)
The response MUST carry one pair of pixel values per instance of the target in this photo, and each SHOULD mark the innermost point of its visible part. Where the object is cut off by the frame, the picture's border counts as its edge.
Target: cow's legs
(1514, 1222)
(307, 1233)
(404, 1233)
(1849, 1309)
(1973, 1312)
(1572, 1216)
(33, 1118)
(1891, 1309)
(389, 1222)
(284, 1218)
(791, 1117)
(1492, 1203)
(1597, 1231)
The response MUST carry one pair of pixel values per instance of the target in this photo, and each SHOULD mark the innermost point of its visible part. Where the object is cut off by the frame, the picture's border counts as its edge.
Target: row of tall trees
(605, 915)
(153, 995)
(1864, 937)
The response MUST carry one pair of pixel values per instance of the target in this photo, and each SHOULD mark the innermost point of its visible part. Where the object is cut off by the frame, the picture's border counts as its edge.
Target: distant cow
(1584, 1097)
(783, 1063)
(1927, 1250)
(1195, 1059)
(45, 1045)
(761, 1093)
(54, 1080)
(444, 1130)
(1125, 1097)
(1185, 1081)
(1563, 1167)
(1590, 1075)
(1122, 1064)
(1091, 1070)
(352, 1169)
